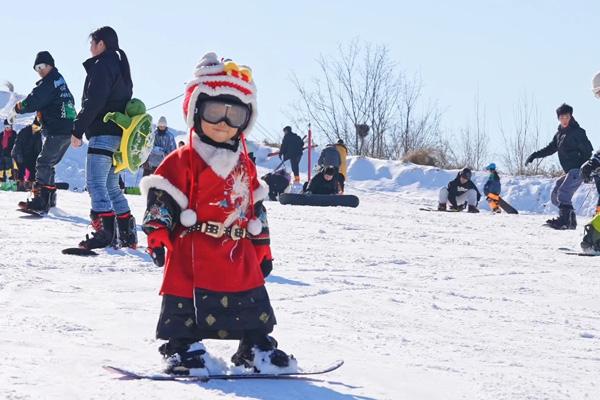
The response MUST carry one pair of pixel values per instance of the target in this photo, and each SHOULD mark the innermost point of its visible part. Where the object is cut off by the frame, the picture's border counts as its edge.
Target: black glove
(158, 256)
(586, 172)
(530, 159)
(266, 266)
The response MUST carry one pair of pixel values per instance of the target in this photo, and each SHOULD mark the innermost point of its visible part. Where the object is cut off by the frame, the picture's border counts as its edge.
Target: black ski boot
(256, 351)
(441, 207)
(184, 358)
(566, 219)
(41, 198)
(127, 230)
(104, 231)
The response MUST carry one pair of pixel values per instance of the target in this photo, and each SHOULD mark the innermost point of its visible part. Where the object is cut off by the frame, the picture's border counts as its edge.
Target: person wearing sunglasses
(55, 107)
(205, 207)
(460, 191)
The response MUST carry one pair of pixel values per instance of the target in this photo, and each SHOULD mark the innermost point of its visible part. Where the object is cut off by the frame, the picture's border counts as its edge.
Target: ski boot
(566, 219)
(441, 207)
(127, 231)
(184, 359)
(104, 231)
(472, 209)
(41, 199)
(261, 354)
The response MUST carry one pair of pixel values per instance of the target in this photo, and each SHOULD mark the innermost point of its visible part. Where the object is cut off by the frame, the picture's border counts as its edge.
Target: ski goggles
(234, 115)
(40, 67)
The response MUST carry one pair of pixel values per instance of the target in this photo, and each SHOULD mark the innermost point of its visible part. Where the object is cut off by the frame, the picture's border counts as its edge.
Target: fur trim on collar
(221, 161)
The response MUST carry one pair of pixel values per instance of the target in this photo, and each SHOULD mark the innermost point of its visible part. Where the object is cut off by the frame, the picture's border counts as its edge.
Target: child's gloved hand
(158, 240)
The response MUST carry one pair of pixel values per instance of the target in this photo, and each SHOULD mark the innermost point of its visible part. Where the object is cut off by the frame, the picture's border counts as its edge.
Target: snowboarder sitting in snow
(459, 191)
(204, 208)
(573, 149)
(492, 188)
(328, 181)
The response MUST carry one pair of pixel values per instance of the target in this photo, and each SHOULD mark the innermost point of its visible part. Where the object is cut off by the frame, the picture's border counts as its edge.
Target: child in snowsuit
(459, 191)
(204, 208)
(492, 188)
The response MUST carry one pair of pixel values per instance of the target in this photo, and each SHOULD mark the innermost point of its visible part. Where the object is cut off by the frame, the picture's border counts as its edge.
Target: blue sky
(502, 49)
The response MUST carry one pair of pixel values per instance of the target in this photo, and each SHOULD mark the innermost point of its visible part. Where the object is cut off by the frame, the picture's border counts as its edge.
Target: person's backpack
(330, 157)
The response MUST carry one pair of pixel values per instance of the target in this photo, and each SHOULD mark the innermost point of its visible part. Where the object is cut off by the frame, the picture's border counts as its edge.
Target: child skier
(459, 191)
(492, 188)
(204, 208)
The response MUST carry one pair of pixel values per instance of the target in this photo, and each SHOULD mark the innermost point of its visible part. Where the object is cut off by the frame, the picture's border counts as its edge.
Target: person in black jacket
(574, 149)
(459, 191)
(54, 103)
(590, 171)
(107, 88)
(7, 141)
(325, 182)
(25, 153)
(292, 147)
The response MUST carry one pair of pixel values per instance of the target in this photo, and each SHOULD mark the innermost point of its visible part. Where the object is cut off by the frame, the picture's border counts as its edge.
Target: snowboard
(571, 252)
(127, 374)
(77, 251)
(319, 200)
(503, 204)
(39, 214)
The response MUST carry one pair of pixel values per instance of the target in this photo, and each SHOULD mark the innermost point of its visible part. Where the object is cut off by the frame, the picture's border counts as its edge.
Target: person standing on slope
(459, 191)
(574, 149)
(7, 142)
(54, 103)
(292, 147)
(204, 207)
(164, 143)
(492, 188)
(107, 88)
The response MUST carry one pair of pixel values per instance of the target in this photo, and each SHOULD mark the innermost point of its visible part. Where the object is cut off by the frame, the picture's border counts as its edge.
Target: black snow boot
(567, 218)
(41, 198)
(441, 206)
(263, 345)
(127, 230)
(104, 231)
(184, 358)
(473, 210)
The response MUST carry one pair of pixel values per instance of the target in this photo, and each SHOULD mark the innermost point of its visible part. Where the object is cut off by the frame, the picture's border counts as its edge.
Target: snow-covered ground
(420, 305)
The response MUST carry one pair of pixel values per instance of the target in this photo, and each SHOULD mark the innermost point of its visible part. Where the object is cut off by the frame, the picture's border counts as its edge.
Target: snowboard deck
(319, 200)
(572, 252)
(77, 251)
(132, 375)
(38, 214)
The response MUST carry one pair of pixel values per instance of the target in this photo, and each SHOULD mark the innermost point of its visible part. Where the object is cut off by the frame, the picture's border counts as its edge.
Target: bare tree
(361, 85)
(525, 139)
(474, 141)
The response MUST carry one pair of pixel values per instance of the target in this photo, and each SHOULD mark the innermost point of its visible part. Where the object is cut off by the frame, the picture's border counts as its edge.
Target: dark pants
(565, 187)
(295, 163)
(53, 150)
(22, 170)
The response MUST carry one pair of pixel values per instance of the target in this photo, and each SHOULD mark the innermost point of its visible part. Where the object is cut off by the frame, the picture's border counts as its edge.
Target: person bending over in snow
(204, 207)
(573, 149)
(459, 191)
(492, 188)
(328, 181)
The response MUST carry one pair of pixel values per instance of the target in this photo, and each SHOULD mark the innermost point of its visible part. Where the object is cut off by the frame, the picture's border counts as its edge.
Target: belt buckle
(237, 233)
(214, 229)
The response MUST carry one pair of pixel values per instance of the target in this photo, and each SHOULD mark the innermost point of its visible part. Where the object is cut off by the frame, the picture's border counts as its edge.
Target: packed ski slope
(420, 305)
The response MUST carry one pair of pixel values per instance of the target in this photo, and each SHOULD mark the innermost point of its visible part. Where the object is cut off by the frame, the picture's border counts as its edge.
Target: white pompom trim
(188, 218)
(254, 227)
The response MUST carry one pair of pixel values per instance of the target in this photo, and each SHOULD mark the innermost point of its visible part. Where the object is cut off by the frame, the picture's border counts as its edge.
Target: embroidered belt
(216, 230)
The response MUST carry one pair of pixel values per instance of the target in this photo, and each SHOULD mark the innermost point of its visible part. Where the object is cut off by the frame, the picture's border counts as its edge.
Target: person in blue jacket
(492, 187)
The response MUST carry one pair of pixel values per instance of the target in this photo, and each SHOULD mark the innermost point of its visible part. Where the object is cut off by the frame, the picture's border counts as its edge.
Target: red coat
(210, 184)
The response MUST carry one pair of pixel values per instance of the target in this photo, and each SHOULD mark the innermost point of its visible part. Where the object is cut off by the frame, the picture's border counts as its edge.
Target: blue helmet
(491, 167)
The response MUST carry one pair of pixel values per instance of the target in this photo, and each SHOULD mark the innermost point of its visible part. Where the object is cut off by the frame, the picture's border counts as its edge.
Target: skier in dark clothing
(292, 147)
(492, 187)
(28, 146)
(574, 149)
(7, 141)
(54, 103)
(459, 191)
(325, 182)
(107, 88)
